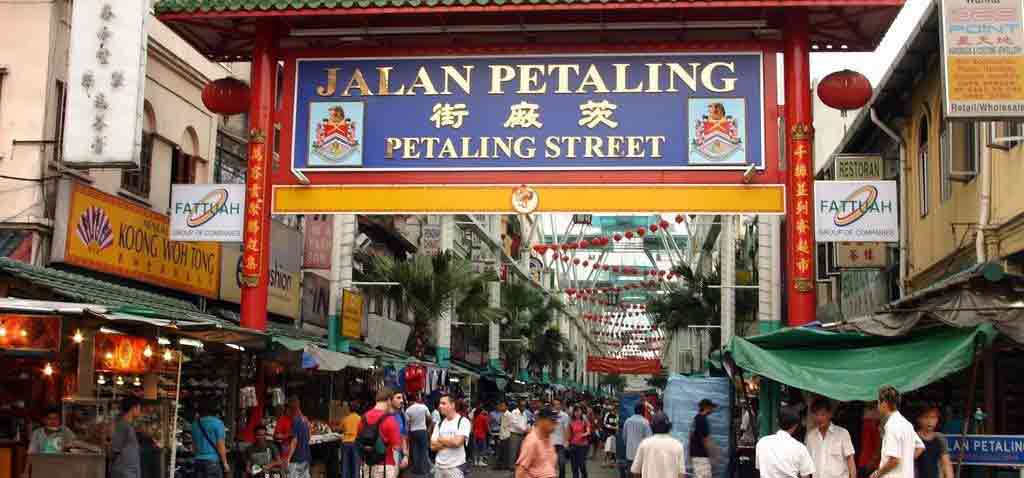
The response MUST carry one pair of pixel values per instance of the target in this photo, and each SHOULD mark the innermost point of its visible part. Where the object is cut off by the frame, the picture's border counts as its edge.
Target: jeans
(560, 453)
(349, 461)
(208, 469)
(419, 449)
(515, 443)
(502, 455)
(625, 471)
(579, 460)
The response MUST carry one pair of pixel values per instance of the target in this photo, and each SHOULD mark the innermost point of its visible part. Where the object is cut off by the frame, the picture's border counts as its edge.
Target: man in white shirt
(504, 433)
(558, 437)
(417, 417)
(519, 426)
(900, 443)
(830, 444)
(780, 455)
(660, 455)
(449, 441)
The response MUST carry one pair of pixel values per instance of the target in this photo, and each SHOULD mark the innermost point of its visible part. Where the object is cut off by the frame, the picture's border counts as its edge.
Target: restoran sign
(637, 112)
(856, 211)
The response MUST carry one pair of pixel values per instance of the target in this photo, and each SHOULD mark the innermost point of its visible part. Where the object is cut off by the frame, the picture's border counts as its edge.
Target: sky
(873, 64)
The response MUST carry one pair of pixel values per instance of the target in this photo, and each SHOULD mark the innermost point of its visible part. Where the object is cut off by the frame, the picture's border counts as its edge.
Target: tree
(615, 381)
(429, 286)
(530, 313)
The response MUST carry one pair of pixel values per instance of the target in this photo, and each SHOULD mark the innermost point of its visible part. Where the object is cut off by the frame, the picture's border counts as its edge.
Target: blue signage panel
(632, 112)
(991, 450)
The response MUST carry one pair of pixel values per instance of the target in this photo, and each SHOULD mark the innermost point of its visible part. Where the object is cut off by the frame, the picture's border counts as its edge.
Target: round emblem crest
(525, 199)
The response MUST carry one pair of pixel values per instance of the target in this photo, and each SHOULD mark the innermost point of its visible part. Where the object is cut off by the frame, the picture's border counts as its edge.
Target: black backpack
(370, 444)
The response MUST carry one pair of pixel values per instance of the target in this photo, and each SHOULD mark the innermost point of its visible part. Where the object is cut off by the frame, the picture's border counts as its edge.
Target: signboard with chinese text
(856, 211)
(284, 291)
(987, 450)
(207, 212)
(105, 233)
(560, 112)
(351, 314)
(983, 58)
(316, 254)
(861, 255)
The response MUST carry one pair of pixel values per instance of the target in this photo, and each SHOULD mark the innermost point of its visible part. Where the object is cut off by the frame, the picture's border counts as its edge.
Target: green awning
(295, 345)
(850, 366)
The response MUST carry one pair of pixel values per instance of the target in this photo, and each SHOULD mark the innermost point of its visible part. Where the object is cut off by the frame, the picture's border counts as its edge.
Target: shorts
(609, 444)
(461, 471)
(379, 471)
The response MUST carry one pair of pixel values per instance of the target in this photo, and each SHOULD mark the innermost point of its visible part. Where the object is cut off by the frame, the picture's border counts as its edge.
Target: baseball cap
(708, 403)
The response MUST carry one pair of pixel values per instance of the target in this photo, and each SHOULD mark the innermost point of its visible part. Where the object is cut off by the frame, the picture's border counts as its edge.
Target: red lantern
(604, 267)
(576, 261)
(629, 234)
(845, 90)
(653, 227)
(641, 231)
(679, 219)
(541, 249)
(584, 244)
(617, 237)
(226, 96)
(565, 258)
(664, 224)
(554, 256)
(586, 263)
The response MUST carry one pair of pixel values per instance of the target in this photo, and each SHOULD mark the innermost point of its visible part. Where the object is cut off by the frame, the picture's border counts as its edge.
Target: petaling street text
(525, 147)
(717, 77)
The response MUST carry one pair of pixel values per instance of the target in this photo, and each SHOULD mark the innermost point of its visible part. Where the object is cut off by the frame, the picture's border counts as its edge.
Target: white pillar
(769, 273)
(344, 231)
(444, 322)
(727, 256)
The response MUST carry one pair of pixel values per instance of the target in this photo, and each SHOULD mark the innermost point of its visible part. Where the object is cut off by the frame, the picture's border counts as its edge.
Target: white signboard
(207, 212)
(106, 79)
(856, 211)
(983, 58)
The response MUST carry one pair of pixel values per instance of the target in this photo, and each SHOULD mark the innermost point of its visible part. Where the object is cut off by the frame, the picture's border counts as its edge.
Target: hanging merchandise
(277, 398)
(391, 377)
(415, 378)
(247, 397)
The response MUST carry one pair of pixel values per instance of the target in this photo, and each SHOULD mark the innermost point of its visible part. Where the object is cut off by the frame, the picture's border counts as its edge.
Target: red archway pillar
(800, 271)
(256, 236)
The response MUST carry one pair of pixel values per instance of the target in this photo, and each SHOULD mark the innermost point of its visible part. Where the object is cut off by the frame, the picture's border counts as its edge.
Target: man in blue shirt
(208, 434)
(298, 458)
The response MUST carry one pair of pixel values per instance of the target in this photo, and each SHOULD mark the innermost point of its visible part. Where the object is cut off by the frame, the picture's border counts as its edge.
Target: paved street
(594, 470)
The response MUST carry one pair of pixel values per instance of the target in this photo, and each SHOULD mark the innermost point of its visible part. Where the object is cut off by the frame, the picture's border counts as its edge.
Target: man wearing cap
(660, 455)
(700, 440)
(537, 457)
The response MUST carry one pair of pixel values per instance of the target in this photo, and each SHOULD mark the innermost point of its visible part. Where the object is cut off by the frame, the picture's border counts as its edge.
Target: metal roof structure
(223, 29)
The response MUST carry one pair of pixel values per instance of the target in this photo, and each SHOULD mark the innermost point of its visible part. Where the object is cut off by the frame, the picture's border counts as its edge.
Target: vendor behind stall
(52, 437)
(263, 454)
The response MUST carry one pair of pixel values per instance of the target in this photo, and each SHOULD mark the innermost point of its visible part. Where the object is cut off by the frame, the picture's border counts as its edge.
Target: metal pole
(174, 422)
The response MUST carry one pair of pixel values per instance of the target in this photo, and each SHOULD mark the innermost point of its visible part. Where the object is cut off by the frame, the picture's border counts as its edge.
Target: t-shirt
(389, 432)
(214, 428)
(781, 456)
(481, 425)
(559, 437)
(701, 430)
(124, 445)
(300, 429)
(537, 457)
(416, 416)
(611, 423)
(900, 441)
(350, 427)
(45, 441)
(261, 455)
(496, 421)
(660, 456)
(283, 432)
(451, 427)
(577, 431)
(830, 452)
(929, 464)
(634, 430)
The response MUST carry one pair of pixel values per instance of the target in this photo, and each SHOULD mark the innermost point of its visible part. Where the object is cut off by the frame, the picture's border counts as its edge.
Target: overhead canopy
(852, 366)
(623, 366)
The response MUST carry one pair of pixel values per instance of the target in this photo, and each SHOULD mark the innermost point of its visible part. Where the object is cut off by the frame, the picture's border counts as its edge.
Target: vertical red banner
(803, 246)
(255, 210)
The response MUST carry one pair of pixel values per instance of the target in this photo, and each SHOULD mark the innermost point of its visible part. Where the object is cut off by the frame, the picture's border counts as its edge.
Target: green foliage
(616, 381)
(529, 313)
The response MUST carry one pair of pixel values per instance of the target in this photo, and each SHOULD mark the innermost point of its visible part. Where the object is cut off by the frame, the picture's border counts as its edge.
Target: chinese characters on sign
(252, 237)
(669, 111)
(800, 158)
(861, 255)
(983, 58)
(316, 254)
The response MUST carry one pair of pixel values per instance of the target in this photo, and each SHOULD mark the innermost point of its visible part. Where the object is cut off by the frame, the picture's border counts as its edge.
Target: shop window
(922, 165)
(183, 167)
(136, 181)
(1006, 129)
(964, 143)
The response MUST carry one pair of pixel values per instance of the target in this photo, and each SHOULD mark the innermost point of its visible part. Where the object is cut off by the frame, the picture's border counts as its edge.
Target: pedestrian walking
(579, 441)
(701, 447)
(124, 444)
(481, 427)
(519, 427)
(781, 455)
(379, 427)
(634, 430)
(900, 443)
(449, 441)
(418, 419)
(830, 445)
(349, 453)
(504, 438)
(611, 427)
(208, 435)
(660, 455)
(934, 462)
(298, 456)
(538, 459)
(559, 437)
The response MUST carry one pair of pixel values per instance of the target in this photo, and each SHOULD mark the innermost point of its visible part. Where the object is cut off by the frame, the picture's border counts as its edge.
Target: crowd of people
(535, 439)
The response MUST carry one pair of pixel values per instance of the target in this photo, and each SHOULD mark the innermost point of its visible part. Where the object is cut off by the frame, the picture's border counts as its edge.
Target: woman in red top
(481, 425)
(579, 442)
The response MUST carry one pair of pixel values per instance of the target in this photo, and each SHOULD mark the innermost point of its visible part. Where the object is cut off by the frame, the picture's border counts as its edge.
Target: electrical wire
(36, 180)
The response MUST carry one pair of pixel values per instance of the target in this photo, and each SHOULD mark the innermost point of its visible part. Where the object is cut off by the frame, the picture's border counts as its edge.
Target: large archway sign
(672, 129)
(449, 106)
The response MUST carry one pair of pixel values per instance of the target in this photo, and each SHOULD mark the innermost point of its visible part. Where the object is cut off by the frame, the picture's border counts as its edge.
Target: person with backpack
(379, 437)
(449, 441)
(208, 434)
